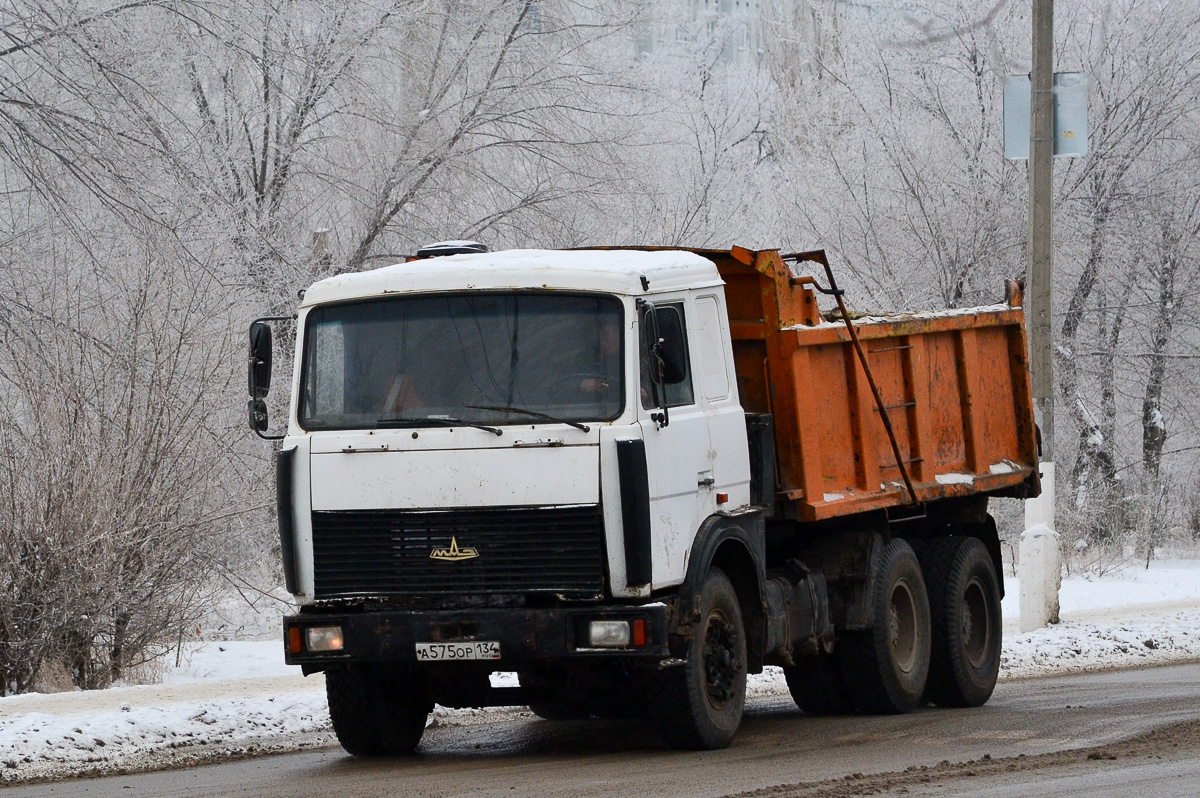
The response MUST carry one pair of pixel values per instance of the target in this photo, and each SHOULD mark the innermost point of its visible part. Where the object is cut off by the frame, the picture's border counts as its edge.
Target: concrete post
(1040, 570)
(1039, 282)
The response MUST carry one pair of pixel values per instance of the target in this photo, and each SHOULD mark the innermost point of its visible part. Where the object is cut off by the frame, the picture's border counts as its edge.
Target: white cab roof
(615, 271)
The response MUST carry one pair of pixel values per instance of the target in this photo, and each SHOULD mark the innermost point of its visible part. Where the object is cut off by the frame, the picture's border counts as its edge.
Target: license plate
(447, 652)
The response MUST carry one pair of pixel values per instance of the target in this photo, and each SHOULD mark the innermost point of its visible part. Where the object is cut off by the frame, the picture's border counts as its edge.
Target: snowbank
(1074, 647)
(41, 744)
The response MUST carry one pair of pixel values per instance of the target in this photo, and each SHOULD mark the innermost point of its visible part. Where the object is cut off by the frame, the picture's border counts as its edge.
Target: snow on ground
(38, 744)
(1130, 618)
(1164, 582)
(237, 698)
(236, 659)
(1074, 646)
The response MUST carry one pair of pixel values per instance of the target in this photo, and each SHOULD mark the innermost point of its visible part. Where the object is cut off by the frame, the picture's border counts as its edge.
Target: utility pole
(1040, 577)
(1041, 150)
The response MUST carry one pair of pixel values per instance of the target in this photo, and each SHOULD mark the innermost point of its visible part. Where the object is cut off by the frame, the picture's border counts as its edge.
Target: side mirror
(671, 346)
(258, 375)
(260, 360)
(258, 415)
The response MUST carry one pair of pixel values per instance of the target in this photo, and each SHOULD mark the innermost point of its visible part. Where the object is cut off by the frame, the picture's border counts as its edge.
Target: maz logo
(454, 553)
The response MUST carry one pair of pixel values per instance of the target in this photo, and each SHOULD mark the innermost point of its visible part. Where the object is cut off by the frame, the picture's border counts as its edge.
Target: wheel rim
(720, 659)
(976, 623)
(902, 627)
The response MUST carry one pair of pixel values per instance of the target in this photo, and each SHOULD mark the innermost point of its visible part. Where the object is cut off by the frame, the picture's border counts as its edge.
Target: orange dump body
(955, 385)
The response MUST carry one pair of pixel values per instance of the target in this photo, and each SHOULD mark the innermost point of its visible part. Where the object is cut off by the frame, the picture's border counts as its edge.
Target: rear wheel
(700, 702)
(888, 665)
(964, 603)
(375, 709)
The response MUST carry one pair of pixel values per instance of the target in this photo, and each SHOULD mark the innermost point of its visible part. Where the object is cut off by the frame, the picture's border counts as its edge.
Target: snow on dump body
(618, 271)
(892, 318)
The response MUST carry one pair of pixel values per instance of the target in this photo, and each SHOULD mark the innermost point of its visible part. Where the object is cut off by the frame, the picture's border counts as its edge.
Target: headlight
(324, 638)
(609, 634)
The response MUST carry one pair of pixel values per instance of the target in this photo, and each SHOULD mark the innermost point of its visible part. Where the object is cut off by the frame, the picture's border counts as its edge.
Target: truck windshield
(478, 358)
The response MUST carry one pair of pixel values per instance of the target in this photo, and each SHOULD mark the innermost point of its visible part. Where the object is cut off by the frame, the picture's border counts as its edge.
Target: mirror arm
(264, 319)
(291, 317)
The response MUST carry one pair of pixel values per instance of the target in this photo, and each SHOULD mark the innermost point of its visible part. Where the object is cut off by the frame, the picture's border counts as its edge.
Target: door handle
(351, 448)
(706, 482)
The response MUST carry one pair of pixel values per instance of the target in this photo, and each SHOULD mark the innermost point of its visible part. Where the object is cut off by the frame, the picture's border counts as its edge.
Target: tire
(887, 666)
(699, 704)
(818, 686)
(373, 712)
(964, 604)
(551, 698)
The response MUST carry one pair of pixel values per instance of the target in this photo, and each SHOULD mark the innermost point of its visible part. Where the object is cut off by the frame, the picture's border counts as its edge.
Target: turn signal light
(294, 646)
(639, 633)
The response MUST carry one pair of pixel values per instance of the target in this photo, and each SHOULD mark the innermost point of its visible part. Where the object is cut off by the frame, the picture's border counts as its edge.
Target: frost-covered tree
(113, 359)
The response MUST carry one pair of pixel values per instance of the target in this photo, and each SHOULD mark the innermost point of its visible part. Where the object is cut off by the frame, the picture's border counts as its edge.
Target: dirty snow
(236, 699)
(954, 479)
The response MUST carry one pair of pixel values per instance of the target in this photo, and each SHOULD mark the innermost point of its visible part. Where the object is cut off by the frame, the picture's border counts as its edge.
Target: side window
(714, 374)
(678, 395)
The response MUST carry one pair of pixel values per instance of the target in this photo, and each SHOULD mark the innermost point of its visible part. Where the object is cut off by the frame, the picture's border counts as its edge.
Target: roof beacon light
(451, 248)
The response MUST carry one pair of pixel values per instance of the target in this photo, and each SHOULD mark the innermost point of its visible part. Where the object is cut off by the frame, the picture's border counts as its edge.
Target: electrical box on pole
(1070, 115)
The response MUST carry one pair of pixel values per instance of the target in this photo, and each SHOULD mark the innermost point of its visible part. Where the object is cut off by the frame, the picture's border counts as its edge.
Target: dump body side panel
(954, 384)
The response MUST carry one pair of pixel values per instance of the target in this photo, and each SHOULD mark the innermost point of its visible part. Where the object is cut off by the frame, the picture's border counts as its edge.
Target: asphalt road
(1029, 740)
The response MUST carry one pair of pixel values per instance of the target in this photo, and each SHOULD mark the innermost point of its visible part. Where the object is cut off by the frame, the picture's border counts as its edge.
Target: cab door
(679, 462)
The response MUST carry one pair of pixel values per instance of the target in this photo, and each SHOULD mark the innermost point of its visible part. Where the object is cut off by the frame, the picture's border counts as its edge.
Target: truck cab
(447, 399)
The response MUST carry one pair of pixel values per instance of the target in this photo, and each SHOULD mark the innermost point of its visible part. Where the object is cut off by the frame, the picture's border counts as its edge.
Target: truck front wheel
(700, 703)
(375, 709)
(964, 601)
(888, 665)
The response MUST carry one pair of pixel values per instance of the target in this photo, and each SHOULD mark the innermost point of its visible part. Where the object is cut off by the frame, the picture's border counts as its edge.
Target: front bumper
(526, 636)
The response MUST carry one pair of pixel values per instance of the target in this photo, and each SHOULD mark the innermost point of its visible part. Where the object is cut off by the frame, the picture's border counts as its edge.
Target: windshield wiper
(441, 421)
(534, 414)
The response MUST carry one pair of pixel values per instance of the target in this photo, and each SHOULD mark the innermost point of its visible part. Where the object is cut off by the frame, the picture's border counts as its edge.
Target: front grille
(520, 550)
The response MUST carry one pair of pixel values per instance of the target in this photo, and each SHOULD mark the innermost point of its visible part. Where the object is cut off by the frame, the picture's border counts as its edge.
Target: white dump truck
(632, 477)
